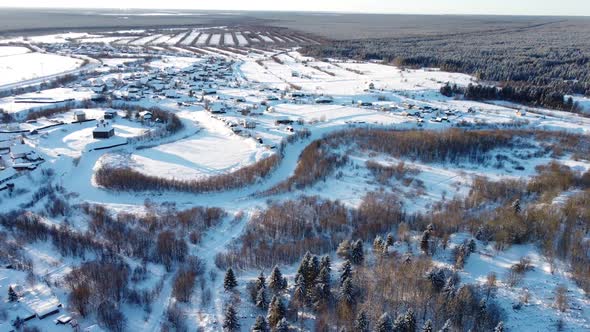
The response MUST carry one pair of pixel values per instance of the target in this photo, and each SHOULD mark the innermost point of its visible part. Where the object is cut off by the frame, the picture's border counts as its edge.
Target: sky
(492, 7)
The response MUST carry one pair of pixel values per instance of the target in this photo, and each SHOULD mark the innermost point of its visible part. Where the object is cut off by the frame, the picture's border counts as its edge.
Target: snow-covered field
(214, 150)
(28, 101)
(215, 39)
(242, 41)
(26, 66)
(13, 50)
(202, 40)
(191, 37)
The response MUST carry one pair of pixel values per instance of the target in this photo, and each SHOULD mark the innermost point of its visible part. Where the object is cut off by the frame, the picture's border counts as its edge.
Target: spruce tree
(399, 324)
(384, 324)
(323, 283)
(261, 301)
(427, 327)
(12, 297)
(472, 246)
(314, 269)
(347, 293)
(357, 256)
(276, 281)
(326, 263)
(229, 282)
(410, 321)
(346, 271)
(300, 293)
(437, 279)
(230, 320)
(260, 325)
(260, 282)
(425, 242)
(516, 206)
(276, 311)
(361, 324)
(18, 322)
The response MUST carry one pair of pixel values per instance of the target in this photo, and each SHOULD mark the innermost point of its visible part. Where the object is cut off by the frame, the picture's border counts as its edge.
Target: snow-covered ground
(26, 66)
(13, 50)
(207, 145)
(213, 150)
(43, 99)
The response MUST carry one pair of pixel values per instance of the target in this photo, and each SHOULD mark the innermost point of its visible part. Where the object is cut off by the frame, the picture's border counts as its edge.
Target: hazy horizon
(424, 7)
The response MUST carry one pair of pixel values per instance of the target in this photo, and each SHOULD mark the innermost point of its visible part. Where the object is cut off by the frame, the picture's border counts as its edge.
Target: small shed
(324, 100)
(79, 116)
(103, 130)
(109, 115)
(248, 124)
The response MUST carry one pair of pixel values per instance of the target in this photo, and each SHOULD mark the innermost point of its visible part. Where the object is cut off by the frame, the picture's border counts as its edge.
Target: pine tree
(427, 327)
(229, 282)
(346, 272)
(230, 320)
(276, 311)
(384, 324)
(12, 297)
(276, 282)
(282, 326)
(499, 327)
(261, 301)
(260, 325)
(357, 256)
(361, 324)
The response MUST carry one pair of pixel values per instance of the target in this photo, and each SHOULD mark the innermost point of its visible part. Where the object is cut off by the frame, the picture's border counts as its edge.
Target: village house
(18, 151)
(103, 130)
(79, 116)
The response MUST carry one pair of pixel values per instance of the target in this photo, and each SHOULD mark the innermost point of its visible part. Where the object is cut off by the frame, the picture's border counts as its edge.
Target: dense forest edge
(540, 66)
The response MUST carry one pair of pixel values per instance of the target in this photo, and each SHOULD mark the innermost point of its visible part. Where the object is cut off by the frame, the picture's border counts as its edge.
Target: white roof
(103, 128)
(40, 300)
(20, 149)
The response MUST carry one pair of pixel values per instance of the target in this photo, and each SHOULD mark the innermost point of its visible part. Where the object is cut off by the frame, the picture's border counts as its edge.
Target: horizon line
(296, 11)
